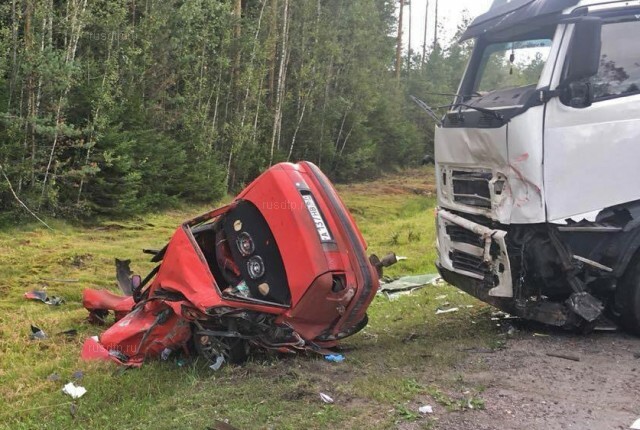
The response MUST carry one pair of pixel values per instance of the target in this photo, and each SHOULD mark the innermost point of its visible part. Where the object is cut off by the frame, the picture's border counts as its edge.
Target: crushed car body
(282, 267)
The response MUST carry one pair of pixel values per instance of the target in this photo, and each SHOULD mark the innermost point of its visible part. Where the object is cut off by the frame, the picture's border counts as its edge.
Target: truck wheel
(629, 298)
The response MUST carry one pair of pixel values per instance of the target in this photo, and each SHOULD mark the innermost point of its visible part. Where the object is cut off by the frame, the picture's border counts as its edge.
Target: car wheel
(234, 350)
(628, 298)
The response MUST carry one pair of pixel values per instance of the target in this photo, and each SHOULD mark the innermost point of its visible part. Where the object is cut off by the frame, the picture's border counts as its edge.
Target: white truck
(538, 163)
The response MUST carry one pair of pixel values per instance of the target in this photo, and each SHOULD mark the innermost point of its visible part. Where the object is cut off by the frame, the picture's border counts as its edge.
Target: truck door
(592, 154)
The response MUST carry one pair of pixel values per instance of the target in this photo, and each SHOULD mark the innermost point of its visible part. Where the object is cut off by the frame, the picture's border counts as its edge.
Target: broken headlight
(255, 267)
(245, 244)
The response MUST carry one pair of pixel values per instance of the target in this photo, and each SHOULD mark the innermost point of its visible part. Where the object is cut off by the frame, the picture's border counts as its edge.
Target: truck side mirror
(586, 47)
(583, 62)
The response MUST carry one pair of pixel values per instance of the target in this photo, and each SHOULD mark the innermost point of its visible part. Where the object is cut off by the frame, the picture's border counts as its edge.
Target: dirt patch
(528, 389)
(418, 182)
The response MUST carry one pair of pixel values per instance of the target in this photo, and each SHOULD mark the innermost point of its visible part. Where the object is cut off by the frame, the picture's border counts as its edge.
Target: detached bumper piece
(281, 268)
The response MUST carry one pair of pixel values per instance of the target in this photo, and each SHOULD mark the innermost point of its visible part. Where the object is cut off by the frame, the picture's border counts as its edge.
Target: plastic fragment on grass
(446, 311)
(165, 354)
(326, 398)
(53, 377)
(37, 333)
(69, 333)
(335, 358)
(42, 296)
(426, 409)
(218, 363)
(75, 391)
(409, 283)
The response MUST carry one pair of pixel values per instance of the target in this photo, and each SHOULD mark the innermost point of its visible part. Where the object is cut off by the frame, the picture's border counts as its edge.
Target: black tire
(628, 298)
(235, 351)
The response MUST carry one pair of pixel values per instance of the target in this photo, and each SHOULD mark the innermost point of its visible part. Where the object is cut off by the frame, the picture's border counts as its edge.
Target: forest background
(111, 108)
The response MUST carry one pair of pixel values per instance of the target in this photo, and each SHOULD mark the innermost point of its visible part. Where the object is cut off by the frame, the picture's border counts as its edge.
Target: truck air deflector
(513, 14)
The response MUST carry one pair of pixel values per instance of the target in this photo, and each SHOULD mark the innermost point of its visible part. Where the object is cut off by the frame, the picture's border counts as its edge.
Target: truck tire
(629, 298)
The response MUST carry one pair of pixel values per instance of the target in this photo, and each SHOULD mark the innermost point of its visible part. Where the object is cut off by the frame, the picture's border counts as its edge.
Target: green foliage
(114, 107)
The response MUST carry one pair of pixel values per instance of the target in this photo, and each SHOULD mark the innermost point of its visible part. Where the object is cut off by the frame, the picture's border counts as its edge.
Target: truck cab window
(512, 65)
(619, 72)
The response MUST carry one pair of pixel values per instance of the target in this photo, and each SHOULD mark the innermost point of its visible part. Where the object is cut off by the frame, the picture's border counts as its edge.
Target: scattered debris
(410, 338)
(62, 281)
(326, 398)
(446, 311)
(564, 356)
(54, 377)
(75, 391)
(73, 410)
(635, 425)
(164, 356)
(408, 284)
(387, 261)
(218, 363)
(442, 297)
(426, 409)
(37, 333)
(335, 358)
(69, 333)
(221, 425)
(480, 350)
(123, 275)
(42, 296)
(78, 374)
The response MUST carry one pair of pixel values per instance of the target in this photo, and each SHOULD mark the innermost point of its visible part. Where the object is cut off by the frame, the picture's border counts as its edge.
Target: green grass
(404, 358)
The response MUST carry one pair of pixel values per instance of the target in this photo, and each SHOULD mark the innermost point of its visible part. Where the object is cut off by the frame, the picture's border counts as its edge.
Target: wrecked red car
(283, 267)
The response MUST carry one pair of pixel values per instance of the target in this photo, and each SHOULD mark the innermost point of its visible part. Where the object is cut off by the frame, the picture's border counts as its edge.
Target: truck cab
(537, 163)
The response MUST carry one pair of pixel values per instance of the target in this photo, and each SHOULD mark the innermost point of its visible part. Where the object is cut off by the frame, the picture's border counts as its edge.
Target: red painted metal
(329, 278)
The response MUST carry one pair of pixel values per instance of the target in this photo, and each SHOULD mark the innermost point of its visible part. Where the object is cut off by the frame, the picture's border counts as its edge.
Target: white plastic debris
(326, 398)
(426, 409)
(446, 311)
(165, 354)
(442, 297)
(218, 364)
(75, 391)
(636, 425)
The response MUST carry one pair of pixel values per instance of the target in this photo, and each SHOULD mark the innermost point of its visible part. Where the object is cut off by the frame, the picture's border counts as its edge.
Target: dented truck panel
(538, 208)
(283, 267)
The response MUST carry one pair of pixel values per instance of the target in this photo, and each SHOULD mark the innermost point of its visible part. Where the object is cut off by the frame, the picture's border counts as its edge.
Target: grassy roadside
(406, 357)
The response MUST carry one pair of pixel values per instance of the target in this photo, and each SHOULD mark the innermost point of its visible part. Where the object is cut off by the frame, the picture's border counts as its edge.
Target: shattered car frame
(538, 203)
(282, 267)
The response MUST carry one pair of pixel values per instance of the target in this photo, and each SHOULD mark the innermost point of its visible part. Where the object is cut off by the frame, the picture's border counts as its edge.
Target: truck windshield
(511, 65)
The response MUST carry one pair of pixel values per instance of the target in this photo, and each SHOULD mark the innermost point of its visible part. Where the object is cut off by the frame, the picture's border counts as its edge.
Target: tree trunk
(424, 40)
(14, 53)
(76, 32)
(399, 42)
(295, 133)
(410, 29)
(272, 49)
(277, 121)
(237, 33)
(435, 34)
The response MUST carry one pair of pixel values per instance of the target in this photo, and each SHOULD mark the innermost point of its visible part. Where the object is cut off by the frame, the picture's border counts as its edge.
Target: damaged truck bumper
(477, 259)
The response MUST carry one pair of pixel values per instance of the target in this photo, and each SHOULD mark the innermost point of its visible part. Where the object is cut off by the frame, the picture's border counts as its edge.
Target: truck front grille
(472, 188)
(469, 263)
(462, 235)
